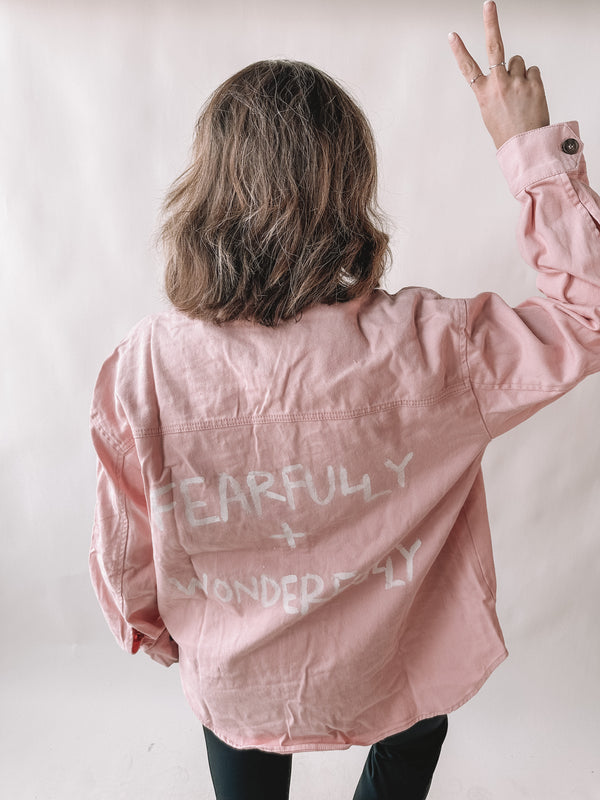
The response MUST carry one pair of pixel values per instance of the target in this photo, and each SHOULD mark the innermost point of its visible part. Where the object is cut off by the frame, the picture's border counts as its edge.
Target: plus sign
(288, 535)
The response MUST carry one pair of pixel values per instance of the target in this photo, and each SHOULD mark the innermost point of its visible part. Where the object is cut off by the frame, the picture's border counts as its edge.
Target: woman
(290, 500)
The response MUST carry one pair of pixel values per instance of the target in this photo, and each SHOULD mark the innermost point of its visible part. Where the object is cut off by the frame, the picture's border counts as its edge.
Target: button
(570, 146)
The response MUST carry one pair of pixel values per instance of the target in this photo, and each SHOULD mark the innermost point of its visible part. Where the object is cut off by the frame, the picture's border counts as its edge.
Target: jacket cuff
(533, 156)
(164, 650)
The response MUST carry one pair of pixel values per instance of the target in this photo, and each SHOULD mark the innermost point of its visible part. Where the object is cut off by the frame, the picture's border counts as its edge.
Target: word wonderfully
(297, 593)
(204, 505)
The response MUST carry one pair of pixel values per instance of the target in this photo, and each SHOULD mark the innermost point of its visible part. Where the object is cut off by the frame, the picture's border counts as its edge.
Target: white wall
(98, 102)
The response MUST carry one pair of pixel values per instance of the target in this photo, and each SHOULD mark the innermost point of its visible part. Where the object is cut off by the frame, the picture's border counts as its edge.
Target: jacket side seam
(470, 380)
(465, 516)
(123, 532)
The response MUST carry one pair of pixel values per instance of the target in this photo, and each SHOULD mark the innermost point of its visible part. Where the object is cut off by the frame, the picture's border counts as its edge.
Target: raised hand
(511, 97)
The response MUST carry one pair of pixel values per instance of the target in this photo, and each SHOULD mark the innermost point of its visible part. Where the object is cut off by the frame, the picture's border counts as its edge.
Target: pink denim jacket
(297, 514)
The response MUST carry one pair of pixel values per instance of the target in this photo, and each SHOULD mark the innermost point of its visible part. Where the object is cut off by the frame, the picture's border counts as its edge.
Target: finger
(493, 37)
(534, 73)
(466, 63)
(516, 67)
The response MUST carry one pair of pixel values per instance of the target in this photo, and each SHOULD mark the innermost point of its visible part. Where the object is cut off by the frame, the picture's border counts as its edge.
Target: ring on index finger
(472, 81)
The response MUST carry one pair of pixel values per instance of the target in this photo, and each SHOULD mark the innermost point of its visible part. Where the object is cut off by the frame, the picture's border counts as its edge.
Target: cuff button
(570, 146)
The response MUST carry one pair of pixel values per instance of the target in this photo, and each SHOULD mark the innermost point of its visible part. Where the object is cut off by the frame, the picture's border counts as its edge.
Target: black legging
(400, 766)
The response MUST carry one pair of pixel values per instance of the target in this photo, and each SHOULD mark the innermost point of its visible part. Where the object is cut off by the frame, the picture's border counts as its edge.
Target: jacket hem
(319, 746)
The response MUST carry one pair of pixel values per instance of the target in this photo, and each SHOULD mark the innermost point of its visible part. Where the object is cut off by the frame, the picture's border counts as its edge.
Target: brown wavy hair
(277, 209)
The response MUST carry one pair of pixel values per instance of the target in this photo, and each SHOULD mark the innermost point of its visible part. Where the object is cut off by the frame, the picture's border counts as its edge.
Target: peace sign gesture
(511, 98)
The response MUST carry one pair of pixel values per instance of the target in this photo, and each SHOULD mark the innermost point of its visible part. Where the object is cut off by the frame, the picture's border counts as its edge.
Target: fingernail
(488, 3)
(451, 36)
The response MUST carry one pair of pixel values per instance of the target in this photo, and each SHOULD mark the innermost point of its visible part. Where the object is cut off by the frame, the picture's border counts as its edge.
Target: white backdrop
(98, 105)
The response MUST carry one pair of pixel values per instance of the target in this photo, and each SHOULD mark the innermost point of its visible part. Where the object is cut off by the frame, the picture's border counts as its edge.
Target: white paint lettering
(265, 584)
(339, 577)
(192, 585)
(288, 535)
(237, 495)
(390, 583)
(290, 485)
(399, 469)
(409, 555)
(157, 510)
(365, 485)
(223, 590)
(312, 491)
(190, 504)
(287, 596)
(308, 598)
(251, 591)
(258, 489)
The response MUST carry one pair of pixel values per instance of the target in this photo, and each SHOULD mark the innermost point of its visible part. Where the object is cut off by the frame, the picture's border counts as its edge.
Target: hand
(511, 99)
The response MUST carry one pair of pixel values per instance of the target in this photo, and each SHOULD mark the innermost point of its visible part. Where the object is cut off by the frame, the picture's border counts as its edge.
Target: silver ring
(501, 64)
(471, 82)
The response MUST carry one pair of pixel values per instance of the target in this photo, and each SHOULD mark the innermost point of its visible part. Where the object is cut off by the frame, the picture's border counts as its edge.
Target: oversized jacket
(297, 515)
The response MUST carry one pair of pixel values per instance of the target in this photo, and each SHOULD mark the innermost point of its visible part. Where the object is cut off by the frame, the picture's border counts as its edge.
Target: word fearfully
(205, 504)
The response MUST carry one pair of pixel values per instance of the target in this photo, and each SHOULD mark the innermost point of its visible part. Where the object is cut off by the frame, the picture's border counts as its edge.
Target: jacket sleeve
(520, 359)
(121, 555)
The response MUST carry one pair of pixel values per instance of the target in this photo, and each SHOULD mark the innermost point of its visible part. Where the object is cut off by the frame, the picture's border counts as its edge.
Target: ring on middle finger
(472, 81)
(501, 64)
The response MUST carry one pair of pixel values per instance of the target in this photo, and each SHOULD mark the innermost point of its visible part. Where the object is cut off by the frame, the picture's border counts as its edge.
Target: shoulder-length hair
(277, 210)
